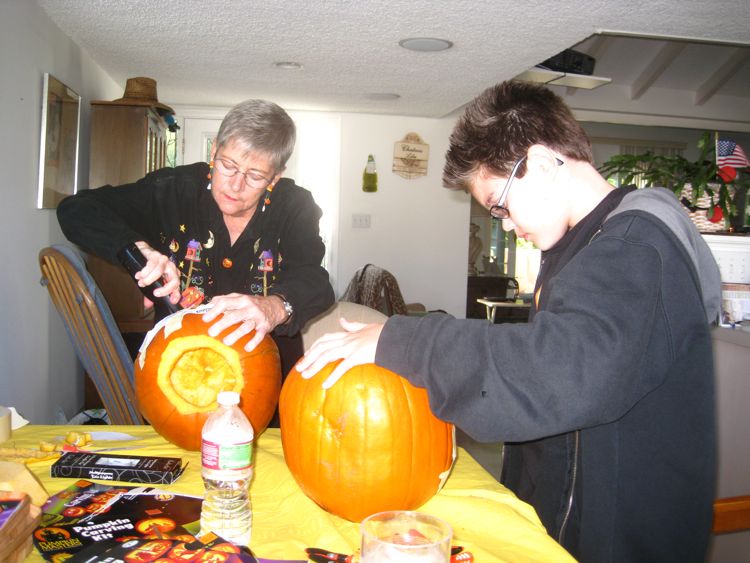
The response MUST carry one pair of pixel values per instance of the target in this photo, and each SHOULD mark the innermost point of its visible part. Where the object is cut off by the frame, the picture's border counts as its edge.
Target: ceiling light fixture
(557, 78)
(425, 44)
(288, 65)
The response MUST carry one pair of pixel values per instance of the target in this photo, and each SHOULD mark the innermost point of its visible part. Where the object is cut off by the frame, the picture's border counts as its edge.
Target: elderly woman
(233, 230)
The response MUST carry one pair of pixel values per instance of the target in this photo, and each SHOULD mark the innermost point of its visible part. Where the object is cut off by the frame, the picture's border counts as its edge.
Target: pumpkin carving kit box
(88, 515)
(110, 467)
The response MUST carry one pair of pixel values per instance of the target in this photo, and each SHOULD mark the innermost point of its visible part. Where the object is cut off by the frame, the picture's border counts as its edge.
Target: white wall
(419, 230)
(39, 374)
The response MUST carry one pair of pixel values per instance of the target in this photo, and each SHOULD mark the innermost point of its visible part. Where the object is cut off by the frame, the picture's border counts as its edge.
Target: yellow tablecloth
(487, 518)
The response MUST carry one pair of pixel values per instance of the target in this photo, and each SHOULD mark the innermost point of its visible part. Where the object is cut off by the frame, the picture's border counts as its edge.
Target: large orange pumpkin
(180, 371)
(369, 443)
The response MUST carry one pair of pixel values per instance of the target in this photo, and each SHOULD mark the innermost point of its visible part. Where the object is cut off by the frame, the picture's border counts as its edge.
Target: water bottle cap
(228, 398)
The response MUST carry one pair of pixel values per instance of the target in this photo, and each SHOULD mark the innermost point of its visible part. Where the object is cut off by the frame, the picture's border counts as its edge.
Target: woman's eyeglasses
(252, 179)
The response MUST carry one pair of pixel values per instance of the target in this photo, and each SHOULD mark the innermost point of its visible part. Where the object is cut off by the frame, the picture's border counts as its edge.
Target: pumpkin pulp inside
(194, 369)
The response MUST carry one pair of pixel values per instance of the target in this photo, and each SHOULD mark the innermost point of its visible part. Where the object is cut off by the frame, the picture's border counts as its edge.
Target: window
(605, 148)
(636, 148)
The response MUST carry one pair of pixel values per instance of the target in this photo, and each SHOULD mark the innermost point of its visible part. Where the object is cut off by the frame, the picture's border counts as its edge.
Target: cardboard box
(110, 467)
(18, 518)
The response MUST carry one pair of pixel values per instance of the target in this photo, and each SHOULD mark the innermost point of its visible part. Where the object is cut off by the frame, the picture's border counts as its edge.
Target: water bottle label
(218, 456)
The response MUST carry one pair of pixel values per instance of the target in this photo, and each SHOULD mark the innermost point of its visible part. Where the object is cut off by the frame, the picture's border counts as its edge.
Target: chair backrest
(328, 320)
(92, 331)
(731, 514)
(376, 288)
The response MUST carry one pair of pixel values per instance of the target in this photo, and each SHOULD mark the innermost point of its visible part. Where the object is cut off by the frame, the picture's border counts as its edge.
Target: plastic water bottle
(226, 461)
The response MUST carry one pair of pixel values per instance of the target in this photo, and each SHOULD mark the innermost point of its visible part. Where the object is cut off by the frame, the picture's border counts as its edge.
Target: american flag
(729, 153)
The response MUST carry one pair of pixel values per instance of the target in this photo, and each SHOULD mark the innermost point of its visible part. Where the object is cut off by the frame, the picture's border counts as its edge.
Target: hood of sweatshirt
(664, 206)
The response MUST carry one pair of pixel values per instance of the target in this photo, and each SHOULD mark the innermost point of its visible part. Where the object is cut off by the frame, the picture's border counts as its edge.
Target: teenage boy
(605, 398)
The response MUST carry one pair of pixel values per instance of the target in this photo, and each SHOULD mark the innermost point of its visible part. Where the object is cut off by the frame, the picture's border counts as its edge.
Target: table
(488, 287)
(492, 305)
(487, 519)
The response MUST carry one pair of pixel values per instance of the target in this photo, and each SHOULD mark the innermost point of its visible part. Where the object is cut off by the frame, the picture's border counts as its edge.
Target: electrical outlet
(360, 220)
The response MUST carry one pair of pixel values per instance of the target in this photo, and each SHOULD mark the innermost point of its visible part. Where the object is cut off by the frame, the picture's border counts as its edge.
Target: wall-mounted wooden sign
(410, 156)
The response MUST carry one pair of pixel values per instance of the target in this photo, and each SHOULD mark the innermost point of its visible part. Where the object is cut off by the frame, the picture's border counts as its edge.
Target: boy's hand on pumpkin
(159, 267)
(249, 313)
(356, 346)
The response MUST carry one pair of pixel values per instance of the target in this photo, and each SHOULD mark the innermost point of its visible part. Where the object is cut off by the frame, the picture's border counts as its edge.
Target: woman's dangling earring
(267, 198)
(210, 170)
(269, 189)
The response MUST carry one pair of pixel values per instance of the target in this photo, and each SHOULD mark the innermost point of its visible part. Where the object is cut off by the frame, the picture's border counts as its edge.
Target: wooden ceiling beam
(655, 68)
(726, 71)
(599, 45)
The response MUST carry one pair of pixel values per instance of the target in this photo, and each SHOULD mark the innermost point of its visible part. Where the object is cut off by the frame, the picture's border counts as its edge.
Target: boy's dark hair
(499, 126)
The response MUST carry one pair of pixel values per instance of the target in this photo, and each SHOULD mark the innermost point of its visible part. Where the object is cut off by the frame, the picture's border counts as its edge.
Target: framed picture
(58, 152)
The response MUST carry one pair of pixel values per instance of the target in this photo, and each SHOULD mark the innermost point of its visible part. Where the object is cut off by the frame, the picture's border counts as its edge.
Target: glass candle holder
(405, 536)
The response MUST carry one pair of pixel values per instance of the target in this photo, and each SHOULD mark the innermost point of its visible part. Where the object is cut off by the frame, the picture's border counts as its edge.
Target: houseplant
(725, 189)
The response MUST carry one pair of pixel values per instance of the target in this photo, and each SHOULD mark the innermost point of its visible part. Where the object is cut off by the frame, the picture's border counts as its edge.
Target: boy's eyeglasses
(499, 211)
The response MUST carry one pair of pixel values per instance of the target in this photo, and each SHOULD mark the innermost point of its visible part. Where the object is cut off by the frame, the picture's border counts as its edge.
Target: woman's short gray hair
(262, 126)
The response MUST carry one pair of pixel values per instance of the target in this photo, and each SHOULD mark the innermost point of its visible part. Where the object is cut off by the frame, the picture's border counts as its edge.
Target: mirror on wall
(58, 152)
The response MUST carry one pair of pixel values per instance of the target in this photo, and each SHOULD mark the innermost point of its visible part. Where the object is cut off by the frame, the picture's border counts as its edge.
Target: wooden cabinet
(127, 142)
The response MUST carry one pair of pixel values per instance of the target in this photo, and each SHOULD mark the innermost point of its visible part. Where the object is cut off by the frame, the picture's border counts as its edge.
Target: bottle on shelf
(226, 467)
(134, 261)
(370, 176)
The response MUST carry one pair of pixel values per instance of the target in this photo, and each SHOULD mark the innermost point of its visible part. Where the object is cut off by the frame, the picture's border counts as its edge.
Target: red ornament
(227, 263)
(716, 214)
(727, 173)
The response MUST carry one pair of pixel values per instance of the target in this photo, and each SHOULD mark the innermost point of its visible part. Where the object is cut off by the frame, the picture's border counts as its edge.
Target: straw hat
(141, 91)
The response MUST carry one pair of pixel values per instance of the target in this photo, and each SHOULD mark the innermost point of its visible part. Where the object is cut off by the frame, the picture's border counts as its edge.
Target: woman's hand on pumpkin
(356, 346)
(159, 268)
(251, 312)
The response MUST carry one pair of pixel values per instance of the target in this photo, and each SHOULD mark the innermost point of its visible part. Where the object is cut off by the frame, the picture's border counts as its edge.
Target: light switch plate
(360, 220)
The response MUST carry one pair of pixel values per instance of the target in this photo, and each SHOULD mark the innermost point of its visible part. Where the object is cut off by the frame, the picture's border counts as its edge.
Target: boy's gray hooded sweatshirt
(605, 399)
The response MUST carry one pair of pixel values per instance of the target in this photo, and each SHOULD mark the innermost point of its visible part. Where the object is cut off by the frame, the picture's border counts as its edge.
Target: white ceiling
(219, 52)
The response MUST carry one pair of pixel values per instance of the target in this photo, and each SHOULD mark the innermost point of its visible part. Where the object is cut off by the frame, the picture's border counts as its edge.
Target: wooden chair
(731, 514)
(92, 331)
